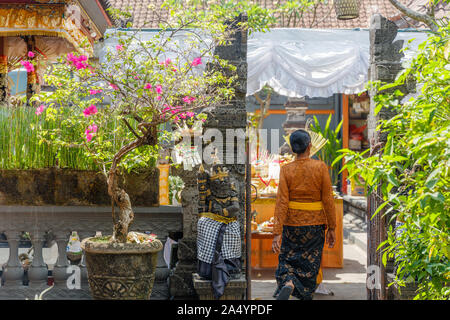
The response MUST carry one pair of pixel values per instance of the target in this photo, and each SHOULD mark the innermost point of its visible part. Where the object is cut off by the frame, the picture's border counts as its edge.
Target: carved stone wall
(385, 64)
(229, 115)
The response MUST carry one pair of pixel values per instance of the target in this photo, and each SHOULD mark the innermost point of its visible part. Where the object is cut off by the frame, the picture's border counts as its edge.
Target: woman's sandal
(285, 293)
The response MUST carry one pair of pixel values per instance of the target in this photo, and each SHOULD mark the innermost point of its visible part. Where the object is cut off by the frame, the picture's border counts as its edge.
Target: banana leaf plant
(330, 151)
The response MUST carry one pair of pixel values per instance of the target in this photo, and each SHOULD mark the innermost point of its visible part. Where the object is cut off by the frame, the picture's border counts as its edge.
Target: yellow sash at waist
(307, 206)
(217, 217)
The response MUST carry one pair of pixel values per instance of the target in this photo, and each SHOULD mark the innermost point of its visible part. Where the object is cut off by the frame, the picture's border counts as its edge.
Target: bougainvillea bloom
(158, 98)
(78, 62)
(40, 109)
(197, 61)
(27, 65)
(112, 85)
(89, 137)
(188, 100)
(148, 86)
(90, 131)
(190, 114)
(30, 54)
(92, 92)
(159, 89)
(119, 47)
(93, 128)
(90, 110)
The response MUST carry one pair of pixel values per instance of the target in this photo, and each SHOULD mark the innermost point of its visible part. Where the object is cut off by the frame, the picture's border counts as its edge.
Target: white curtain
(311, 62)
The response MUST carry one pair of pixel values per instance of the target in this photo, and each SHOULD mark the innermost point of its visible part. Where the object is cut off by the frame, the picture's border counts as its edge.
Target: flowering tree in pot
(149, 82)
(119, 107)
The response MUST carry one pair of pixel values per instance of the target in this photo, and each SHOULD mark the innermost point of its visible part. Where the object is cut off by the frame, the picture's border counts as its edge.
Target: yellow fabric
(308, 206)
(41, 20)
(319, 276)
(216, 217)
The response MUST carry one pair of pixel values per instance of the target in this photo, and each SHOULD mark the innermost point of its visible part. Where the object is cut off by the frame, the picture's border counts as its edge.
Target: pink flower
(112, 85)
(92, 92)
(187, 99)
(92, 109)
(119, 47)
(183, 116)
(190, 114)
(31, 54)
(90, 131)
(158, 89)
(78, 62)
(174, 69)
(136, 78)
(93, 128)
(27, 65)
(148, 86)
(89, 137)
(167, 62)
(203, 120)
(197, 61)
(158, 98)
(40, 109)
(176, 119)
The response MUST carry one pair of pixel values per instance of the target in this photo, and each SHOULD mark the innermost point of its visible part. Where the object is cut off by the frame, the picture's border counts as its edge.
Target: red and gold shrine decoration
(48, 21)
(164, 184)
(3, 64)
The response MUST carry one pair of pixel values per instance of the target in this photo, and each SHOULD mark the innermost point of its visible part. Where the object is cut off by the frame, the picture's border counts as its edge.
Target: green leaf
(384, 204)
(392, 180)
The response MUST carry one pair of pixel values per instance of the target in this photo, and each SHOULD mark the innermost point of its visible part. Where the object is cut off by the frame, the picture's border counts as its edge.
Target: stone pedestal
(235, 289)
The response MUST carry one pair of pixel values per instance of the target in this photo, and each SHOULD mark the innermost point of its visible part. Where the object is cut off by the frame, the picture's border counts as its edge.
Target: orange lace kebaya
(304, 180)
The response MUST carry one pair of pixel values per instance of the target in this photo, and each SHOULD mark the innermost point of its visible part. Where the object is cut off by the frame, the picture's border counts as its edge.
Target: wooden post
(3, 72)
(32, 80)
(344, 139)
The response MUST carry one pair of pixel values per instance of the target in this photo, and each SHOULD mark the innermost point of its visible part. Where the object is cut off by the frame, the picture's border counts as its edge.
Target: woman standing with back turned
(304, 211)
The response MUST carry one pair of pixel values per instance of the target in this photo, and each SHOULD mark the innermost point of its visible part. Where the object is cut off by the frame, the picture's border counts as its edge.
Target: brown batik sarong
(299, 259)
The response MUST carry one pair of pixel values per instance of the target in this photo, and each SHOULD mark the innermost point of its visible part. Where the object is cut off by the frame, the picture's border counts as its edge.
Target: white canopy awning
(311, 62)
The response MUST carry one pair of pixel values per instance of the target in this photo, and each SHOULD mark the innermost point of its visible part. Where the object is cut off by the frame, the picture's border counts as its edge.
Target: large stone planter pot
(121, 271)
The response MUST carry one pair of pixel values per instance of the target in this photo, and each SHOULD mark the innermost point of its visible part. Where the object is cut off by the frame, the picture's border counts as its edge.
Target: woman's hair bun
(300, 140)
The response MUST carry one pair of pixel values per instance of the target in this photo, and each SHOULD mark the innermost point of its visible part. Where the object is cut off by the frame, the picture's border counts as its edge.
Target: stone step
(355, 230)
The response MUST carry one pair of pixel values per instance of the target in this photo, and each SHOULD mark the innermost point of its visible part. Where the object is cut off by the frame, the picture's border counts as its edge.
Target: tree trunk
(125, 217)
(120, 197)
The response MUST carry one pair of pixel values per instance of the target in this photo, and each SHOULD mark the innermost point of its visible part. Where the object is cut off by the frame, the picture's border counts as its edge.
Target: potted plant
(142, 83)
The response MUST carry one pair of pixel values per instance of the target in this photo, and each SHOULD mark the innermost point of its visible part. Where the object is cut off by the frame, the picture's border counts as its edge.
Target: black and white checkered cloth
(208, 231)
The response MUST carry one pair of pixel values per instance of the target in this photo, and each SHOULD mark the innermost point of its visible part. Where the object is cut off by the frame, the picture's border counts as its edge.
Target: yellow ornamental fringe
(217, 217)
(41, 21)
